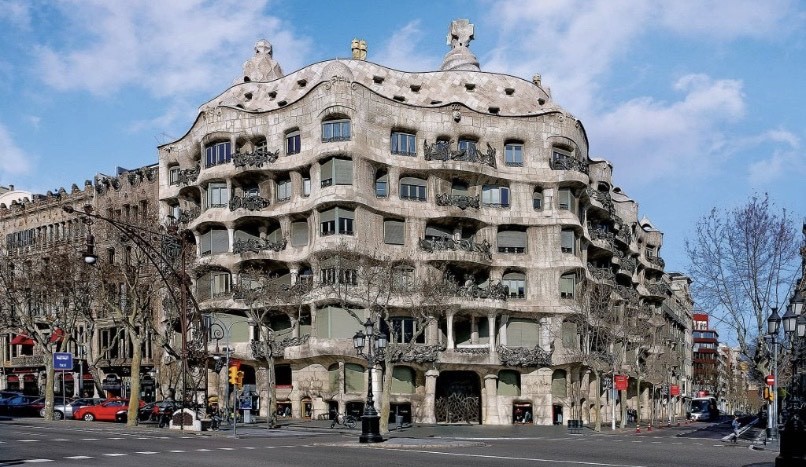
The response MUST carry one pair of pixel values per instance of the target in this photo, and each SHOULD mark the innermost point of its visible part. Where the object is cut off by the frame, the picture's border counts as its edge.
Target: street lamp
(773, 322)
(370, 420)
(221, 330)
(162, 259)
(792, 451)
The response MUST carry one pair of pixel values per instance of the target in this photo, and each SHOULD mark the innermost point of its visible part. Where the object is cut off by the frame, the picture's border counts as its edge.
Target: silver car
(60, 410)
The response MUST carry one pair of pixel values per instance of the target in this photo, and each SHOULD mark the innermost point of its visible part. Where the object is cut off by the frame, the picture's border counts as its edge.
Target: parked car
(19, 406)
(66, 410)
(108, 410)
(39, 404)
(8, 394)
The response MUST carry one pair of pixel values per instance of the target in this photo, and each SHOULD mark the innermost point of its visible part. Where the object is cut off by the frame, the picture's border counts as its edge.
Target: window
(217, 195)
(404, 330)
(523, 333)
(394, 232)
(509, 383)
(567, 285)
(292, 143)
(214, 241)
(218, 153)
(306, 186)
(173, 175)
(513, 154)
(334, 275)
(403, 380)
(467, 145)
(413, 188)
(495, 196)
(559, 387)
(403, 278)
(283, 190)
(335, 130)
(403, 144)
(336, 221)
(459, 188)
(566, 200)
(515, 283)
(334, 322)
(434, 233)
(511, 241)
(568, 241)
(537, 199)
(251, 191)
(219, 283)
(337, 171)
(381, 184)
(299, 233)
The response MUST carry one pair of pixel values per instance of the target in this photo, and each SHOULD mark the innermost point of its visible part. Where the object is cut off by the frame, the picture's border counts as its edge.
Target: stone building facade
(478, 175)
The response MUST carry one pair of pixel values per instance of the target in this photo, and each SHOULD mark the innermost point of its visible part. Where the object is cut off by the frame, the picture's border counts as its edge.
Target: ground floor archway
(458, 397)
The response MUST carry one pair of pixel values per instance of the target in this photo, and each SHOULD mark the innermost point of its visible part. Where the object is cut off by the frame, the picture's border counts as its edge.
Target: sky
(697, 103)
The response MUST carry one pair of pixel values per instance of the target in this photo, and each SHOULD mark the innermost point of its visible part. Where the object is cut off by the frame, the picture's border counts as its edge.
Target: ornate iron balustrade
(188, 176)
(601, 233)
(441, 151)
(627, 293)
(461, 201)
(468, 244)
(603, 197)
(524, 357)
(277, 349)
(624, 235)
(473, 350)
(250, 203)
(629, 264)
(563, 162)
(602, 274)
(256, 245)
(496, 291)
(658, 289)
(187, 215)
(657, 261)
(28, 360)
(416, 353)
(255, 159)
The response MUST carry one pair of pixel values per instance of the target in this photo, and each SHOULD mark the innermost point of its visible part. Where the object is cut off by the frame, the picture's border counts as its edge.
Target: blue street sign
(63, 361)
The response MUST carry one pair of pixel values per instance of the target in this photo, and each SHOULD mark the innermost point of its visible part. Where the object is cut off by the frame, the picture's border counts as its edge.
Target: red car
(111, 410)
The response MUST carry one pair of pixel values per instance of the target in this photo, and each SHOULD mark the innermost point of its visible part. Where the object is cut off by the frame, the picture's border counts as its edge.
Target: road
(78, 443)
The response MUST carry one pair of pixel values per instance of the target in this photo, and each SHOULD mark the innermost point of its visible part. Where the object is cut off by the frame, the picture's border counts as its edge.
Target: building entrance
(458, 397)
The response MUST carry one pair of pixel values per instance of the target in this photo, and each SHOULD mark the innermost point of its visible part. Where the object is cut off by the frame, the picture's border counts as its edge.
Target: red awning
(57, 335)
(13, 379)
(88, 377)
(67, 376)
(29, 378)
(22, 339)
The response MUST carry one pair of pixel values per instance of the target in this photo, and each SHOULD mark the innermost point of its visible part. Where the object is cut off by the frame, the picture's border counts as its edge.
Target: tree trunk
(638, 402)
(386, 390)
(134, 387)
(623, 408)
(271, 409)
(598, 421)
(49, 381)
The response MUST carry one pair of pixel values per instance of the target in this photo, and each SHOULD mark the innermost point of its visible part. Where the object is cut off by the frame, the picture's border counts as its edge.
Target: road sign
(675, 390)
(770, 380)
(63, 361)
(621, 382)
(607, 383)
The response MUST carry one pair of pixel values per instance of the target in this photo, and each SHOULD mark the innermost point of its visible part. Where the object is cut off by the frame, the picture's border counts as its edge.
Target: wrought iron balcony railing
(255, 159)
(461, 201)
(442, 151)
(250, 203)
(564, 162)
(467, 244)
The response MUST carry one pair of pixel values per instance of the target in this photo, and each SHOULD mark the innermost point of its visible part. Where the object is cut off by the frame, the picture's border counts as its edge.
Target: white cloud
(16, 12)
(13, 161)
(401, 50)
(727, 20)
(778, 157)
(169, 47)
(671, 139)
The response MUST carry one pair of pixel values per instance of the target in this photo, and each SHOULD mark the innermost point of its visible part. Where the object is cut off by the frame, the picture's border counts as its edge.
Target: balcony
(28, 360)
(461, 201)
(602, 198)
(524, 357)
(188, 176)
(565, 162)
(442, 151)
(256, 245)
(602, 236)
(605, 275)
(656, 261)
(250, 203)
(256, 159)
(449, 244)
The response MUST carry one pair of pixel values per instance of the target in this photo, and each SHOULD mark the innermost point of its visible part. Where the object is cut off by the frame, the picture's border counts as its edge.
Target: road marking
(248, 447)
(37, 461)
(114, 454)
(78, 457)
(202, 450)
(227, 449)
(143, 438)
(115, 438)
(60, 439)
(89, 439)
(28, 440)
(532, 459)
(176, 450)
(146, 452)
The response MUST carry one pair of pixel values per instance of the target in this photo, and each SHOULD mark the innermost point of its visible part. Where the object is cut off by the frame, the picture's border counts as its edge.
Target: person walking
(735, 425)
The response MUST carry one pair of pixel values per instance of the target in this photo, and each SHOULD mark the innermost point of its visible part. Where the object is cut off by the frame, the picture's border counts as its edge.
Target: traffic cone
(650, 427)
(637, 428)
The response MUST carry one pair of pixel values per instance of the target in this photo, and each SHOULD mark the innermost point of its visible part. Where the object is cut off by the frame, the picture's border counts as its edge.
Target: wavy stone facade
(476, 173)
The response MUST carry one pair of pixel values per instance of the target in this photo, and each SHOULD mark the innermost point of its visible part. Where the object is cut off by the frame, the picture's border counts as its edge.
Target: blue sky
(697, 103)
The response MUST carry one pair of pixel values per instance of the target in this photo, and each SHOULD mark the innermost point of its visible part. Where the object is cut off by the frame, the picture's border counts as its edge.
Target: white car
(60, 410)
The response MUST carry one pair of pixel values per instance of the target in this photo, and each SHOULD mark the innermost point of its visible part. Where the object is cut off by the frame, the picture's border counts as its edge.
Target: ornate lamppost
(375, 343)
(221, 330)
(792, 450)
(773, 323)
(162, 256)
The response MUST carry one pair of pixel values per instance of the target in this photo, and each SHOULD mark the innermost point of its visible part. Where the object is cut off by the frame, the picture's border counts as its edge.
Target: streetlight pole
(370, 420)
(792, 451)
(772, 329)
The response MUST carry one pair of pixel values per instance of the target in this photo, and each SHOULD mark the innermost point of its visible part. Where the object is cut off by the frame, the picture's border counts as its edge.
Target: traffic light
(233, 374)
(239, 379)
(769, 394)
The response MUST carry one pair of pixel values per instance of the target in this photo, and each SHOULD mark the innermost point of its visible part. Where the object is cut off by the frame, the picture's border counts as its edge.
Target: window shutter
(512, 239)
(522, 333)
(402, 380)
(558, 385)
(276, 235)
(459, 189)
(345, 213)
(567, 240)
(206, 242)
(440, 232)
(567, 284)
(570, 338)
(327, 216)
(354, 378)
(412, 181)
(299, 233)
(509, 383)
(343, 172)
(220, 241)
(327, 170)
(394, 232)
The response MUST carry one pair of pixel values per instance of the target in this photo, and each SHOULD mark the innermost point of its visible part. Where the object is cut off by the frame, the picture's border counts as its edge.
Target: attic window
(470, 86)
(541, 101)
(399, 98)
(415, 87)
(377, 79)
(246, 79)
(509, 91)
(302, 82)
(282, 103)
(248, 96)
(272, 94)
(494, 110)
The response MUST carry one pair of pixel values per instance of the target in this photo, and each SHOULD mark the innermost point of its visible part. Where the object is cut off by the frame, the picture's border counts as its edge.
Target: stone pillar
(474, 329)
(502, 330)
(429, 401)
(491, 331)
(449, 318)
(490, 415)
(432, 336)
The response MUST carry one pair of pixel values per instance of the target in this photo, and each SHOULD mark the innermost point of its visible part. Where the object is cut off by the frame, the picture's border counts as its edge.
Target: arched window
(335, 130)
(515, 282)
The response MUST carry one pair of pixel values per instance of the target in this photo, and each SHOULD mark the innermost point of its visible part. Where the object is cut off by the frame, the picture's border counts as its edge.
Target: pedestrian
(735, 425)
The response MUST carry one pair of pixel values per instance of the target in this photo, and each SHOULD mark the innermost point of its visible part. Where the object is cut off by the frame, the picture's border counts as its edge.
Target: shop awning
(57, 335)
(29, 378)
(67, 376)
(22, 339)
(13, 379)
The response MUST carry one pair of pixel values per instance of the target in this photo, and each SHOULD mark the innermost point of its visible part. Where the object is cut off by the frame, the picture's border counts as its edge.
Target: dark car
(157, 412)
(19, 406)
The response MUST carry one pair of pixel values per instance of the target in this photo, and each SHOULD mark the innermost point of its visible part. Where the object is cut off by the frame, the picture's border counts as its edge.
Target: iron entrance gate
(458, 397)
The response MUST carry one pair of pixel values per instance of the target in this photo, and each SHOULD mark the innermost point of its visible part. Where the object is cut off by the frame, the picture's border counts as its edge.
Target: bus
(703, 409)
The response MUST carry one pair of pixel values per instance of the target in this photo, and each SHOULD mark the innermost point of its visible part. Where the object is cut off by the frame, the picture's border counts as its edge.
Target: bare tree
(744, 262)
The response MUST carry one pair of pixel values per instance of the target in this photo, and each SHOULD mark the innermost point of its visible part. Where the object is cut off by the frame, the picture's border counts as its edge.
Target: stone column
(432, 337)
(490, 405)
(474, 329)
(429, 401)
(449, 318)
(491, 331)
(502, 330)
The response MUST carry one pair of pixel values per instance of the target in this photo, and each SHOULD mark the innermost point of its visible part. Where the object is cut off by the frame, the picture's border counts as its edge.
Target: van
(703, 409)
